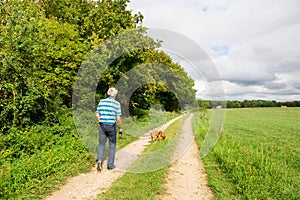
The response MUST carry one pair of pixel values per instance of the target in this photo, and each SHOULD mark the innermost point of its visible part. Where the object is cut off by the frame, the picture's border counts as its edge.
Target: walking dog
(155, 135)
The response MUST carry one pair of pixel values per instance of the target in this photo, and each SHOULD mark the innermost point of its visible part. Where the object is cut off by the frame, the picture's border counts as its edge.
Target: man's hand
(120, 133)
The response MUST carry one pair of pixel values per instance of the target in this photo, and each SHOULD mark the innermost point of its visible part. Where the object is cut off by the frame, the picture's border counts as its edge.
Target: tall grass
(257, 155)
(36, 160)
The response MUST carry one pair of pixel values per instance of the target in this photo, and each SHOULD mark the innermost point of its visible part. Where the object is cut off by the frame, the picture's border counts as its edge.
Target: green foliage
(34, 161)
(165, 84)
(94, 20)
(44, 43)
(260, 103)
(257, 155)
(248, 104)
(152, 75)
(139, 112)
(174, 88)
(204, 104)
(39, 61)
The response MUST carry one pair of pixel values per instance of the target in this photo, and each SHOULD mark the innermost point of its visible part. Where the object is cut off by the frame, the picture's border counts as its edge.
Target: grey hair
(112, 92)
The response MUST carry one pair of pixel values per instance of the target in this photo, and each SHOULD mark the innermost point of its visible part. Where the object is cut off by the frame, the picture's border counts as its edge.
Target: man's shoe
(99, 167)
(111, 168)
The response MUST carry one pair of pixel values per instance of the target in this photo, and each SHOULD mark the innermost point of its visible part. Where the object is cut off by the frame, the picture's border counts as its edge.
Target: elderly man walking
(108, 114)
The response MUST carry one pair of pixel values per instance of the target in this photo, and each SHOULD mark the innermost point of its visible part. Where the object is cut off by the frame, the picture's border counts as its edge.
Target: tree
(44, 43)
(166, 82)
(42, 50)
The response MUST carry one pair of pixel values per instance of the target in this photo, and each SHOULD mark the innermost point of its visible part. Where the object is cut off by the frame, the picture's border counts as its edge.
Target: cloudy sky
(254, 45)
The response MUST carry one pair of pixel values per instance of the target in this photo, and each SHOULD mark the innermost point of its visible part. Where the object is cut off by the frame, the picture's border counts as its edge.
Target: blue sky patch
(220, 50)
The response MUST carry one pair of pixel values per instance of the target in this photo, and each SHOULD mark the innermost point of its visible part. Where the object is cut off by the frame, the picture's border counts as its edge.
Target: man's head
(112, 92)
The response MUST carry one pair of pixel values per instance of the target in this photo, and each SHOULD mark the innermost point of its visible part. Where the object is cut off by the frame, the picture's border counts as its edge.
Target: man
(108, 113)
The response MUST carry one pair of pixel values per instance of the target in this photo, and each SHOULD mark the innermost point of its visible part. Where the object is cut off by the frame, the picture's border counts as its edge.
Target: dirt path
(186, 179)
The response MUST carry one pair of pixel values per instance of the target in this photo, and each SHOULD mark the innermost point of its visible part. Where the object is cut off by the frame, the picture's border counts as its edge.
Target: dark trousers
(107, 132)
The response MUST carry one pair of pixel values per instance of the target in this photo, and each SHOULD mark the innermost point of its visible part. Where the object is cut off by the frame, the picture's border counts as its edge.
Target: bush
(35, 161)
(139, 112)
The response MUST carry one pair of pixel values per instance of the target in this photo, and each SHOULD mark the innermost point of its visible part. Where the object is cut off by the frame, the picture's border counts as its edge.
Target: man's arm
(98, 117)
(119, 122)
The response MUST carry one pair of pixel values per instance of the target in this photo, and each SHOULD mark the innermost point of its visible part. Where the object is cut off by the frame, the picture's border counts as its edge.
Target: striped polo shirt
(108, 109)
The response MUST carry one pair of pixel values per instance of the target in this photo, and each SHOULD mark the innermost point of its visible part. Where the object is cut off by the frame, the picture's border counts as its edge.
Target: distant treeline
(247, 104)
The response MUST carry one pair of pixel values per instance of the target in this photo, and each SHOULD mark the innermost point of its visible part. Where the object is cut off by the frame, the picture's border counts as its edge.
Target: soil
(186, 178)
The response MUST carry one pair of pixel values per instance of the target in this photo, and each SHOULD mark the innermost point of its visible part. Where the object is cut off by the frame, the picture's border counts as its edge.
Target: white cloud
(254, 44)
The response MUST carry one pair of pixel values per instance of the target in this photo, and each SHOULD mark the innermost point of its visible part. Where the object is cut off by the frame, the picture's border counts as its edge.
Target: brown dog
(162, 135)
(156, 135)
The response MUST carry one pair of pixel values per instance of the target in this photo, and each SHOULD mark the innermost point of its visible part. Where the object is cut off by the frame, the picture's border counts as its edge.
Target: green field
(257, 155)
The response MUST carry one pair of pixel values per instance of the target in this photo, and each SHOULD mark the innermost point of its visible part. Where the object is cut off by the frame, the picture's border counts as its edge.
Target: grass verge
(36, 161)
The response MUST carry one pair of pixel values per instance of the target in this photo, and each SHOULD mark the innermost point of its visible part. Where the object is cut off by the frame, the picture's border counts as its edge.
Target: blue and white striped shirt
(108, 109)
